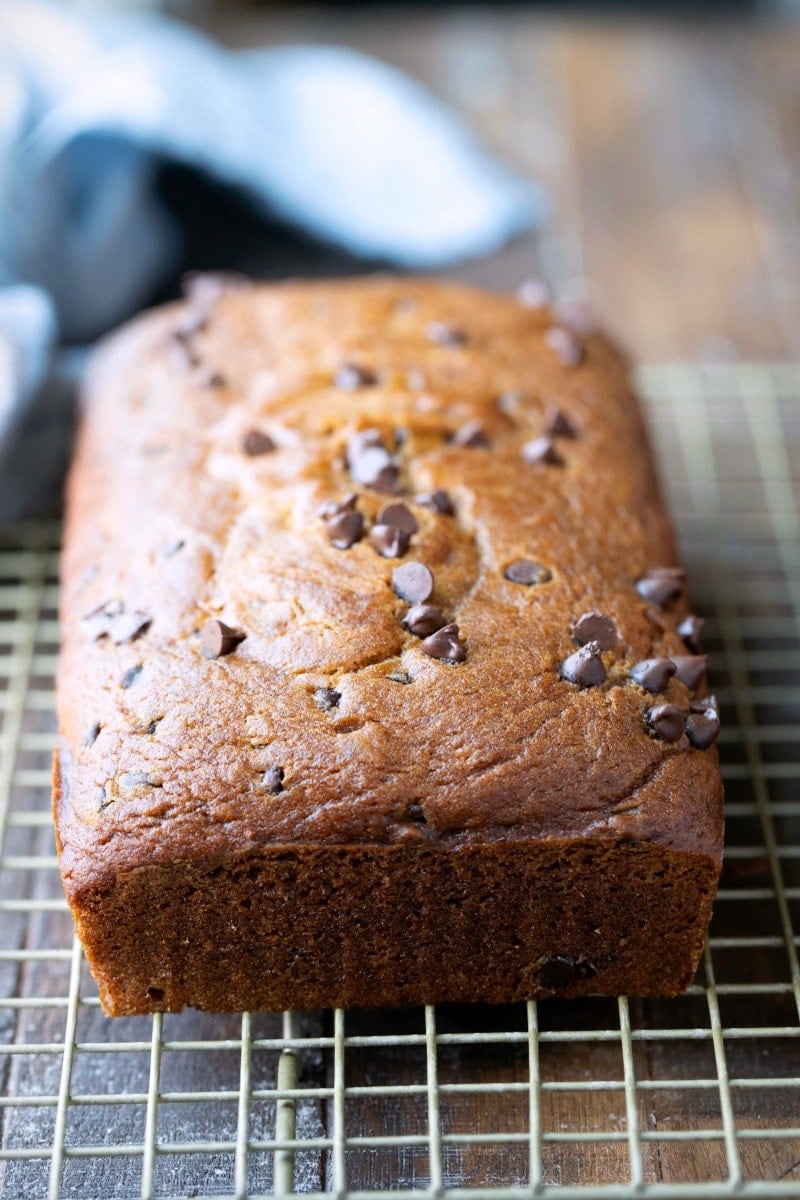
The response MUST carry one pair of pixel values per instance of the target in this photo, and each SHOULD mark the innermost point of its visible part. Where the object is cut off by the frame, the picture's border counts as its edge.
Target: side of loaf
(379, 682)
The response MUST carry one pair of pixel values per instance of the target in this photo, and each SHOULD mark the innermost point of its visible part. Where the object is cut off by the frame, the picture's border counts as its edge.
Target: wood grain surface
(668, 150)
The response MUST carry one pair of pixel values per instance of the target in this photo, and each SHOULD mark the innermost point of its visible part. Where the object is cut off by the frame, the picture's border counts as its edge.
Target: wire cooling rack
(697, 1096)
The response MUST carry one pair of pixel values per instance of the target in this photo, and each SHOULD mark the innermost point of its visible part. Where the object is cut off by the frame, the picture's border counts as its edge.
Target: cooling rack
(698, 1096)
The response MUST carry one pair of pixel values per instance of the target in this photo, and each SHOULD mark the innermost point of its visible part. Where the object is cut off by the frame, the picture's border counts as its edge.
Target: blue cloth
(344, 147)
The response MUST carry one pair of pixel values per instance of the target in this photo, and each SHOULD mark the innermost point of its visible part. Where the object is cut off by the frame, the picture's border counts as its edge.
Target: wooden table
(669, 151)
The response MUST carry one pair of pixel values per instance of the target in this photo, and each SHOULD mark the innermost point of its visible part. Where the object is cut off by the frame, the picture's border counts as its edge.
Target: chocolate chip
(585, 667)
(703, 704)
(659, 585)
(113, 621)
(365, 439)
(131, 675)
(556, 972)
(399, 677)
(690, 668)
(389, 540)
(527, 572)
(218, 639)
(350, 376)
(509, 402)
(175, 548)
(151, 728)
(415, 813)
(372, 466)
(568, 349)
(212, 379)
(424, 619)
(255, 443)
(577, 315)
(557, 424)
(445, 644)
(272, 779)
(92, 734)
(398, 515)
(101, 796)
(666, 721)
(134, 779)
(345, 530)
(437, 500)
(472, 434)
(542, 450)
(204, 288)
(702, 726)
(533, 293)
(690, 629)
(445, 335)
(594, 627)
(413, 581)
(327, 698)
(335, 508)
(653, 673)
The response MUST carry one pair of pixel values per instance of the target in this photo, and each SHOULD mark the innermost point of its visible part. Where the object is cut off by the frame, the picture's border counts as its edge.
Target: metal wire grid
(696, 1096)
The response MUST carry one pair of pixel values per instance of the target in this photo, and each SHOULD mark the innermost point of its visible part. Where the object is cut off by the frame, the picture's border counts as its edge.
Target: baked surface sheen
(299, 745)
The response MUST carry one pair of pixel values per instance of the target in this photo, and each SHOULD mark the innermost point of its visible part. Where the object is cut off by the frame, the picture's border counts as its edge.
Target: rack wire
(696, 1096)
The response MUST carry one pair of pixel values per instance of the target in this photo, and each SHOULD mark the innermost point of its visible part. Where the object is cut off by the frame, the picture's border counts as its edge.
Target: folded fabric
(342, 146)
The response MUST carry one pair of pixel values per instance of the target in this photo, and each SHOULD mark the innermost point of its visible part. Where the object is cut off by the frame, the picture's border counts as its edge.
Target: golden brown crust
(166, 754)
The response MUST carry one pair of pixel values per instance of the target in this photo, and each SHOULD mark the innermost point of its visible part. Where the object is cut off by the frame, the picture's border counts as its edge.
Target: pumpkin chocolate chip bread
(379, 683)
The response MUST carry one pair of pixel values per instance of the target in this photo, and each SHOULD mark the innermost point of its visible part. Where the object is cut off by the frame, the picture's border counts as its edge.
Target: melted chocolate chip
(653, 673)
(92, 734)
(702, 727)
(594, 627)
(437, 500)
(255, 443)
(472, 434)
(533, 293)
(557, 424)
(585, 667)
(565, 345)
(218, 639)
(557, 972)
(398, 515)
(542, 450)
(413, 582)
(527, 572)
(690, 629)
(345, 529)
(399, 677)
(445, 335)
(350, 377)
(659, 585)
(690, 669)
(272, 779)
(327, 698)
(389, 540)
(445, 645)
(665, 721)
(131, 675)
(424, 619)
(113, 621)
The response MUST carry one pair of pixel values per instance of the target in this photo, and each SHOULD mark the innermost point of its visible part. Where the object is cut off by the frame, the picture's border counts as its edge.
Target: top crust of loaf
(169, 755)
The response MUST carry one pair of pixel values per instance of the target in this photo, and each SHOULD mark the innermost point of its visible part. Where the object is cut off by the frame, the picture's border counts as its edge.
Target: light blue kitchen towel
(342, 146)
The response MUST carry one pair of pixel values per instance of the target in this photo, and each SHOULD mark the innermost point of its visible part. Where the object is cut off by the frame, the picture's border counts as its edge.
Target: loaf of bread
(379, 684)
